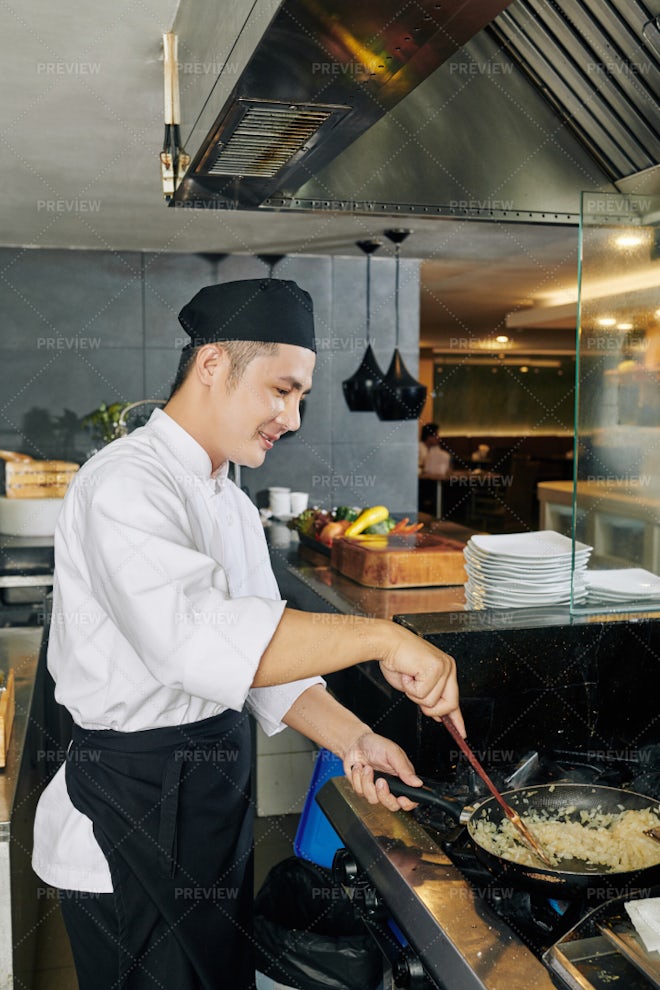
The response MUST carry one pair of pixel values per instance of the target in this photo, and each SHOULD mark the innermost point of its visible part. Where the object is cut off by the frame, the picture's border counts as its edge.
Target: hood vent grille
(258, 138)
(596, 61)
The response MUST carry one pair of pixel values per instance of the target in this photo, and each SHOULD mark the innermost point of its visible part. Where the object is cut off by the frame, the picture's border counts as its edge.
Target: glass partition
(614, 501)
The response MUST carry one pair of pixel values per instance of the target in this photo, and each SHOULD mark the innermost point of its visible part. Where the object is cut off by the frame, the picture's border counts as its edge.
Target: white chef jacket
(164, 601)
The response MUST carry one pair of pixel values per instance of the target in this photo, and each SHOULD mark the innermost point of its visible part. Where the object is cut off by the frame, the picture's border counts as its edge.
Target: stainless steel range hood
(462, 109)
(321, 75)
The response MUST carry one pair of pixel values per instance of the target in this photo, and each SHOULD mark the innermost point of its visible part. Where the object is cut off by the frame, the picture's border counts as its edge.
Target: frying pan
(576, 876)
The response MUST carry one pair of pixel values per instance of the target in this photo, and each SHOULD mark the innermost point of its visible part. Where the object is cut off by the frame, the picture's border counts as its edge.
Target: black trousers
(171, 811)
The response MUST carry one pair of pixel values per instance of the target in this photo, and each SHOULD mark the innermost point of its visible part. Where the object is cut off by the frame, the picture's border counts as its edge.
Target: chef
(167, 632)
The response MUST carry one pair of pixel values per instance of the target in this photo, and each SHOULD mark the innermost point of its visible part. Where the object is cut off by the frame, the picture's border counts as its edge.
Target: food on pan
(614, 842)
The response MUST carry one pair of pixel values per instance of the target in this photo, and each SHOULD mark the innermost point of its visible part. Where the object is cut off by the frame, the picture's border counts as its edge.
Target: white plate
(527, 576)
(482, 559)
(518, 592)
(631, 582)
(539, 545)
(529, 571)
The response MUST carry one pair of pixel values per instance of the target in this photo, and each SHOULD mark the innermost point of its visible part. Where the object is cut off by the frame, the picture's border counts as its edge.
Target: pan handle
(426, 794)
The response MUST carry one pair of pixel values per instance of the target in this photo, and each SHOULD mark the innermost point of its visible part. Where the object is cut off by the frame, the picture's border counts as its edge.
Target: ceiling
(82, 123)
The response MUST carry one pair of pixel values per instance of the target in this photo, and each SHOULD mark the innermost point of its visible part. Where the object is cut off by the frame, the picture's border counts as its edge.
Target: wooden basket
(7, 709)
(27, 478)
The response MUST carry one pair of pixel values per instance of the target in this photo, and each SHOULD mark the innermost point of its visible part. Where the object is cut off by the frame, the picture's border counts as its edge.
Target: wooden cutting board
(419, 560)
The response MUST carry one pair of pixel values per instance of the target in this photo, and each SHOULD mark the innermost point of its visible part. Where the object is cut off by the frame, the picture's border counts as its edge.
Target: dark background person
(434, 463)
(168, 630)
(428, 435)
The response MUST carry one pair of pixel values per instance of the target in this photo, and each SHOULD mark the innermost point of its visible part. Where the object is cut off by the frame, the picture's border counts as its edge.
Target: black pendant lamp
(358, 389)
(271, 260)
(399, 395)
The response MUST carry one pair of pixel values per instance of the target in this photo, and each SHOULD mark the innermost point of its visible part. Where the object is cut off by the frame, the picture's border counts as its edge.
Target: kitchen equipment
(400, 561)
(530, 681)
(29, 516)
(526, 834)
(29, 478)
(7, 711)
(552, 799)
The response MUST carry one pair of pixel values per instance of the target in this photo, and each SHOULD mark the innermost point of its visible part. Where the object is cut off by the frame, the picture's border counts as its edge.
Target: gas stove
(445, 921)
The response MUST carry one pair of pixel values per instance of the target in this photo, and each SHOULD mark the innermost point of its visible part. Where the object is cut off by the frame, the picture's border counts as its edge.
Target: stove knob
(408, 972)
(344, 868)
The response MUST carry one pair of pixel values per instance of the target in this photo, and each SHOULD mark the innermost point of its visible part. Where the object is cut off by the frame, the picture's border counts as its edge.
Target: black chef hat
(270, 309)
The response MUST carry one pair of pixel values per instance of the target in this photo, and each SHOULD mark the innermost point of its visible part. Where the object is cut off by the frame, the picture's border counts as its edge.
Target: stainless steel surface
(20, 786)
(19, 648)
(470, 948)
(26, 580)
(604, 950)
(349, 597)
(321, 75)
(568, 46)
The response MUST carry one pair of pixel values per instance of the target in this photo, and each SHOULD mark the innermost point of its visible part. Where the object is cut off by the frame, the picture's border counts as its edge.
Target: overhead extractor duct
(322, 74)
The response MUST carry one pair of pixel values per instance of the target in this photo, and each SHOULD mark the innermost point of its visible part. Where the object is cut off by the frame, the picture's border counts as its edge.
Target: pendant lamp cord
(368, 299)
(396, 296)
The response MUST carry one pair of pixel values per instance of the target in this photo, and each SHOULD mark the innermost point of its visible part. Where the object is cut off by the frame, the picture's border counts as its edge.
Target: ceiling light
(624, 326)
(606, 321)
(502, 339)
(628, 240)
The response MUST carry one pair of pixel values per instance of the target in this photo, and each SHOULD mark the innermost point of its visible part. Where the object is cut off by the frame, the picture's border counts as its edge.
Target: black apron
(172, 813)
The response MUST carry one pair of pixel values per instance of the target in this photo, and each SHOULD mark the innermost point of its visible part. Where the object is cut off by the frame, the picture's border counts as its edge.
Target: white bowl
(29, 516)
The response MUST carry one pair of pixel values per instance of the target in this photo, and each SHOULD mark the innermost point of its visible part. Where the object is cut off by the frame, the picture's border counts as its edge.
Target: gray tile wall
(81, 327)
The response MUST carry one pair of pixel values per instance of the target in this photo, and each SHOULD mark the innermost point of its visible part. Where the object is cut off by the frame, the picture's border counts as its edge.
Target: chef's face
(251, 415)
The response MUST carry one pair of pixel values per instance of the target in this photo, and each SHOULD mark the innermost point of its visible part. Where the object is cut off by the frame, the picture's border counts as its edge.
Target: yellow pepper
(369, 517)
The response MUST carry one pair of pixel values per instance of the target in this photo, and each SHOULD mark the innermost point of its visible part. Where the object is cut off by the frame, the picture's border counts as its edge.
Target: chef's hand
(367, 755)
(423, 673)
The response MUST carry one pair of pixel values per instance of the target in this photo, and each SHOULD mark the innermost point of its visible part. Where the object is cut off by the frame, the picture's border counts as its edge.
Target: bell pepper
(369, 517)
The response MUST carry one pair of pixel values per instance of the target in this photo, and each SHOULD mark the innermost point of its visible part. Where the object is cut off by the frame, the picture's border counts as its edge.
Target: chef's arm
(320, 717)
(308, 643)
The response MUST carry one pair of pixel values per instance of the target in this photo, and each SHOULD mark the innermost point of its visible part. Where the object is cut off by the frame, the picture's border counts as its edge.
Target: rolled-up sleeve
(269, 705)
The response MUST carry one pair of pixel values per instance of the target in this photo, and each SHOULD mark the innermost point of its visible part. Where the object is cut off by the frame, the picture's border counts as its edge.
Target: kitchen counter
(308, 582)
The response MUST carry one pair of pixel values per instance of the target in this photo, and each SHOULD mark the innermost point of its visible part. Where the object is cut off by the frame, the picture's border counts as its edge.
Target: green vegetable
(381, 527)
(346, 512)
(368, 517)
(305, 522)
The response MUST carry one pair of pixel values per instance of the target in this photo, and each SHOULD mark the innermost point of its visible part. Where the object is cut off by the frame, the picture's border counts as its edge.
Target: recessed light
(628, 240)
(606, 321)
(624, 326)
(502, 339)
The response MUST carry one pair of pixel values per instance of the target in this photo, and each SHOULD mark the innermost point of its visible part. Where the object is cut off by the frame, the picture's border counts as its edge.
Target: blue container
(316, 839)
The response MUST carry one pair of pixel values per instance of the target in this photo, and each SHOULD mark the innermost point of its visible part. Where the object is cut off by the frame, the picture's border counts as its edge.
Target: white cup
(299, 502)
(280, 501)
(280, 535)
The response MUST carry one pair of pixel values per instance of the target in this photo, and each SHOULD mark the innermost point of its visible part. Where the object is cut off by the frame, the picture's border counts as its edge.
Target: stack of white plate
(631, 584)
(520, 570)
